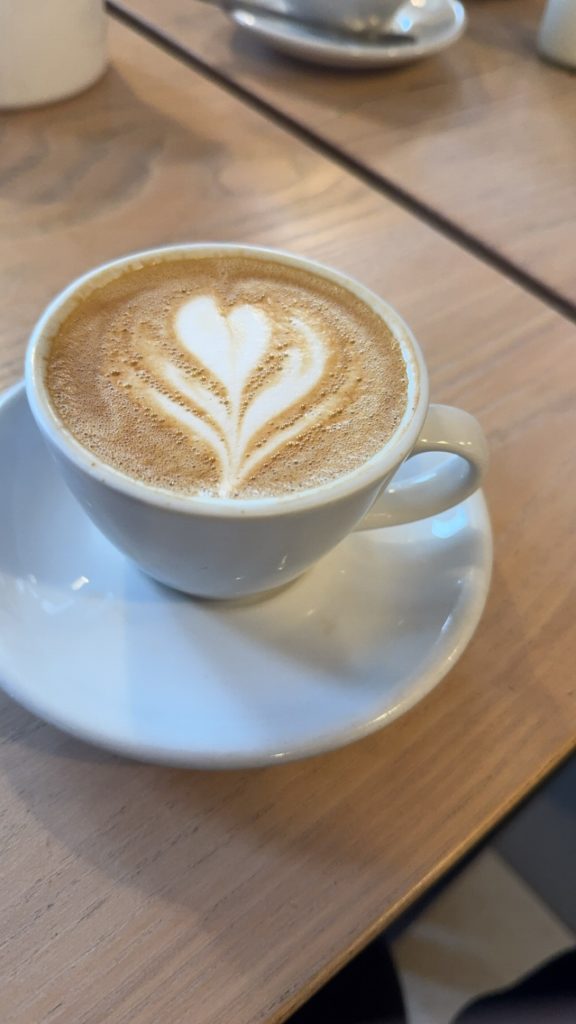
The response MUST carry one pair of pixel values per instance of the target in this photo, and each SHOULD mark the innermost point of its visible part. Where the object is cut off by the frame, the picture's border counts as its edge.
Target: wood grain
(134, 894)
(482, 134)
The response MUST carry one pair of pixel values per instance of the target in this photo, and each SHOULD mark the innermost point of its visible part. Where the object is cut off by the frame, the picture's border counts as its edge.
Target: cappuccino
(228, 375)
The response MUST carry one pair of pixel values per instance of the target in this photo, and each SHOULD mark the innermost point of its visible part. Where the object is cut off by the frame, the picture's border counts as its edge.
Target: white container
(49, 49)
(557, 35)
(231, 547)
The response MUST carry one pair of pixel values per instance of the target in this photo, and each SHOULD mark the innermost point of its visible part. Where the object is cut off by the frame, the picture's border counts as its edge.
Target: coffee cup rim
(378, 466)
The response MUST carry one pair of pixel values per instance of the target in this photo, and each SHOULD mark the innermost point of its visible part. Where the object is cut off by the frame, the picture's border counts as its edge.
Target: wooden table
(133, 894)
(480, 139)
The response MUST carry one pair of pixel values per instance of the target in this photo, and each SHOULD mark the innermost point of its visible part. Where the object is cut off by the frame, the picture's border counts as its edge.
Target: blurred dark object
(546, 996)
(366, 991)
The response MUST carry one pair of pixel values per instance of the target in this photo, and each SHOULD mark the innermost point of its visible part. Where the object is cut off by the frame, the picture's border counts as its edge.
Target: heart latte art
(241, 424)
(227, 376)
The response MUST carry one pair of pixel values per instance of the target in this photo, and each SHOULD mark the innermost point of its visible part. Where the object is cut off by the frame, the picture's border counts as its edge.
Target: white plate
(435, 23)
(95, 647)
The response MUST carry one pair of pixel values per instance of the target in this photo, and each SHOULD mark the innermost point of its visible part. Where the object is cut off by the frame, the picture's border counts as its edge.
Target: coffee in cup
(226, 376)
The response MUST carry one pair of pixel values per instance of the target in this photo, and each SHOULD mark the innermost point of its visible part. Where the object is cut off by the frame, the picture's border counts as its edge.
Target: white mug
(49, 49)
(557, 34)
(228, 548)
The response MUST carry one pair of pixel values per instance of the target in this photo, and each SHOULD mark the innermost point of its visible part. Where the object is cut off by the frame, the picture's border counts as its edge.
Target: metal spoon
(370, 33)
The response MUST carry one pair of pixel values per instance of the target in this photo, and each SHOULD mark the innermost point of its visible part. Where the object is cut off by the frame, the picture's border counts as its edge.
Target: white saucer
(93, 646)
(435, 23)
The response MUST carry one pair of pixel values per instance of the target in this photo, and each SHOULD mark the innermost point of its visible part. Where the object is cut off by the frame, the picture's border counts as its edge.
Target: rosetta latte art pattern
(231, 410)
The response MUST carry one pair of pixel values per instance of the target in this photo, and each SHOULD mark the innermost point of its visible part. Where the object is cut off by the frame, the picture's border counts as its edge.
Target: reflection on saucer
(435, 24)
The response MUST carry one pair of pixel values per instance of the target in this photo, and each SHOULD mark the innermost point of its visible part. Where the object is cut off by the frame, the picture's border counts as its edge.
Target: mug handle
(412, 496)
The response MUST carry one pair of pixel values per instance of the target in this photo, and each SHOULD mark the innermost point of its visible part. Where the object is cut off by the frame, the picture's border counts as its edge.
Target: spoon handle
(339, 32)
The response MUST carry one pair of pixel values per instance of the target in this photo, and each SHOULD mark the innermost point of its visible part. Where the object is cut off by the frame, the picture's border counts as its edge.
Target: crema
(231, 376)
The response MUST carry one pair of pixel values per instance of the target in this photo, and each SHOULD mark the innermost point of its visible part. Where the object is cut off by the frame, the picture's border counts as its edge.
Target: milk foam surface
(226, 375)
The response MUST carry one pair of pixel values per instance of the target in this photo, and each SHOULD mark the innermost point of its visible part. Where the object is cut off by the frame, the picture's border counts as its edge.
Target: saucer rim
(320, 49)
(184, 758)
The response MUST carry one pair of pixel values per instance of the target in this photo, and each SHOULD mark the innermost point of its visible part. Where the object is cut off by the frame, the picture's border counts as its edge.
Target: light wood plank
(134, 894)
(483, 133)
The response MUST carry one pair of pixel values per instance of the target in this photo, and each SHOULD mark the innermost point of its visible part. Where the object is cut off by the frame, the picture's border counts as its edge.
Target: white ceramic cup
(557, 33)
(49, 49)
(227, 548)
(349, 13)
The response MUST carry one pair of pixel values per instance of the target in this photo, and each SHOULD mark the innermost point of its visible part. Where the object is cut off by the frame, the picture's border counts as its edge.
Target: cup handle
(412, 496)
